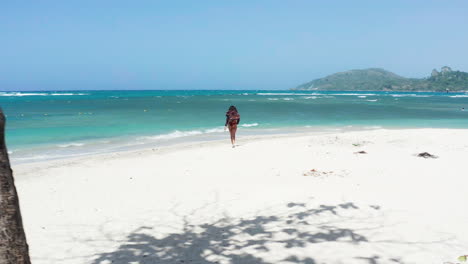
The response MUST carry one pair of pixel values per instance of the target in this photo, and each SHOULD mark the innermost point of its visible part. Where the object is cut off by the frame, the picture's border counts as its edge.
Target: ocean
(48, 125)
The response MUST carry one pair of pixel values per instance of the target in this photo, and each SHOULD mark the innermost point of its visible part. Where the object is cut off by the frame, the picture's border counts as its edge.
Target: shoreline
(167, 148)
(53, 125)
(83, 149)
(166, 140)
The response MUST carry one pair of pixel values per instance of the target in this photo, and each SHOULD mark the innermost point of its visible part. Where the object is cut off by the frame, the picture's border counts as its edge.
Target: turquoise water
(53, 124)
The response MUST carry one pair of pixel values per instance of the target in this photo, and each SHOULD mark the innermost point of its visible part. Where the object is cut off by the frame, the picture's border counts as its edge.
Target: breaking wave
(72, 144)
(249, 125)
(38, 94)
(179, 134)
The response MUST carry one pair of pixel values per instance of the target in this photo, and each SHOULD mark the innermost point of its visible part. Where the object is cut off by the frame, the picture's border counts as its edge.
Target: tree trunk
(13, 246)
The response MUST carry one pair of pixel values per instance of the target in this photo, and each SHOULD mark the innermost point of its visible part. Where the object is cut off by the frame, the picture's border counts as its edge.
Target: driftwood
(360, 152)
(427, 155)
(13, 245)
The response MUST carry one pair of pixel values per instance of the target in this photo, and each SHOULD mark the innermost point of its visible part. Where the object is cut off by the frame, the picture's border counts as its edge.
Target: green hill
(375, 79)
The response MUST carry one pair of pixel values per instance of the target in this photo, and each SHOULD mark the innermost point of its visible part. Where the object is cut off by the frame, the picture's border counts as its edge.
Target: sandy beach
(308, 198)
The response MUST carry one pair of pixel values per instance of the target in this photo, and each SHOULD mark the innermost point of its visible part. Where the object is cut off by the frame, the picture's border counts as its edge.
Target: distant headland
(375, 79)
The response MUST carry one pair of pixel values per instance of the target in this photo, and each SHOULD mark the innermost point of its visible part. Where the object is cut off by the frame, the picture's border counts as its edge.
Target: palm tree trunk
(13, 245)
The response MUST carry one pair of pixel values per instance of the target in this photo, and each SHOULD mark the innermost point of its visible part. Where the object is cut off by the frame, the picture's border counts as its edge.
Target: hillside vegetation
(375, 79)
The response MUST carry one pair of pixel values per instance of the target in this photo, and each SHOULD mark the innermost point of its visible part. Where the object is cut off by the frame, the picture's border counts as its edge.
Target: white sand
(209, 203)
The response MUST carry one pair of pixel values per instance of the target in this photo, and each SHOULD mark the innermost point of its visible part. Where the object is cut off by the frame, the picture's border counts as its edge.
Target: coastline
(50, 125)
(183, 143)
(282, 198)
(85, 149)
(172, 139)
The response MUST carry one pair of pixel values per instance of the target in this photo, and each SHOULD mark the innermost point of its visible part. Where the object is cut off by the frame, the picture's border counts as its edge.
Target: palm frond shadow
(236, 241)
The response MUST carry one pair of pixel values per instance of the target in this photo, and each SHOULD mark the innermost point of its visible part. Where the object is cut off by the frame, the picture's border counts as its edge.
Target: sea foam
(22, 94)
(283, 93)
(72, 144)
(179, 134)
(38, 94)
(175, 134)
(249, 125)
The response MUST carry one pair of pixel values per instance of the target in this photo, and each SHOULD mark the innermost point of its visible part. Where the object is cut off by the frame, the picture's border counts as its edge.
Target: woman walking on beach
(232, 120)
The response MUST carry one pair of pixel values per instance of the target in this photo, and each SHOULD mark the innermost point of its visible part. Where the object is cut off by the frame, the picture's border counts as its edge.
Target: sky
(74, 45)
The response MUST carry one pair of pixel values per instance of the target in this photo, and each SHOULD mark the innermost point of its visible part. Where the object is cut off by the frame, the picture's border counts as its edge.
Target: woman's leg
(232, 130)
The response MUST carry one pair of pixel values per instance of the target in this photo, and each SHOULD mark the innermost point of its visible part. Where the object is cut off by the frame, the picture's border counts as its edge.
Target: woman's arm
(227, 120)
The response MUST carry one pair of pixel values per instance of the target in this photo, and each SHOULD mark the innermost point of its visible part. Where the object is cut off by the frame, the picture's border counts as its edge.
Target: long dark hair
(232, 109)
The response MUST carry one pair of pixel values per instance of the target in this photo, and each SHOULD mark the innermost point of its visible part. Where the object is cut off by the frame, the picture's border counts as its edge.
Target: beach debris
(360, 152)
(317, 173)
(463, 258)
(361, 143)
(325, 174)
(427, 155)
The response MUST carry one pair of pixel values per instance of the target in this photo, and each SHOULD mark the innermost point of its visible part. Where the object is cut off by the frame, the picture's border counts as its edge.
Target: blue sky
(69, 45)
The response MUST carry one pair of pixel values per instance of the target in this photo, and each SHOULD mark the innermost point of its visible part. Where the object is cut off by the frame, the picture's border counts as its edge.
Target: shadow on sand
(240, 241)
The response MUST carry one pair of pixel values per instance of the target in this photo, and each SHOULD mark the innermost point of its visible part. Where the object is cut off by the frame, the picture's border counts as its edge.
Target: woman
(232, 120)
